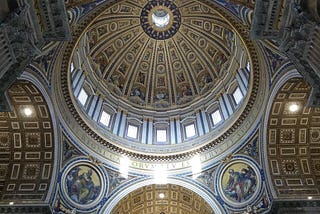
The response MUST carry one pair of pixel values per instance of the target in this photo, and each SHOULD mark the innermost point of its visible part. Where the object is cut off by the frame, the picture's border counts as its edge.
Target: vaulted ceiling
(162, 199)
(159, 107)
(293, 138)
(27, 146)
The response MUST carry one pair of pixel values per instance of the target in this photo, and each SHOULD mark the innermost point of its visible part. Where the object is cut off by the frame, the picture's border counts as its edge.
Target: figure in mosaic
(83, 185)
(241, 183)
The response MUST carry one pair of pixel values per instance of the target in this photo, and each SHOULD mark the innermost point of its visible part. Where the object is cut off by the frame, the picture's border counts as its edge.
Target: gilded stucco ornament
(160, 19)
(172, 90)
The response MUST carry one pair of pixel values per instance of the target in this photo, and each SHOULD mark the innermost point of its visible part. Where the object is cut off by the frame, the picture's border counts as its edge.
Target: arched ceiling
(26, 146)
(160, 81)
(113, 31)
(293, 143)
(160, 68)
(176, 200)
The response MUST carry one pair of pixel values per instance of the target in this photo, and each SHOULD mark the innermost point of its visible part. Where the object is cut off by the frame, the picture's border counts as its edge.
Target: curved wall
(27, 146)
(292, 142)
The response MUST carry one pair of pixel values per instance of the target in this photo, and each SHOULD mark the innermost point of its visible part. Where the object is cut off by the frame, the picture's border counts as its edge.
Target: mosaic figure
(204, 81)
(239, 182)
(138, 92)
(83, 184)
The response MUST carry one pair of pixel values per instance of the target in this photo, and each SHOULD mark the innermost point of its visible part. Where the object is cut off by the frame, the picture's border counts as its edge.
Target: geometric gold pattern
(26, 146)
(177, 200)
(294, 143)
(163, 74)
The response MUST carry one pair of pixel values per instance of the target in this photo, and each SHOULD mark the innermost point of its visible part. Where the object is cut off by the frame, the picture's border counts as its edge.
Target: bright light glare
(11, 203)
(293, 107)
(310, 197)
(160, 18)
(124, 166)
(196, 166)
(160, 176)
(161, 195)
(27, 112)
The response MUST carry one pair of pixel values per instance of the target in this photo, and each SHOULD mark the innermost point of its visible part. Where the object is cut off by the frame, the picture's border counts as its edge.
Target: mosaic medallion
(160, 19)
(83, 184)
(239, 182)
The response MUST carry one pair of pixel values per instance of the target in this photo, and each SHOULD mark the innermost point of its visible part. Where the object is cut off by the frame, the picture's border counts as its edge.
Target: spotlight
(293, 107)
(161, 195)
(27, 111)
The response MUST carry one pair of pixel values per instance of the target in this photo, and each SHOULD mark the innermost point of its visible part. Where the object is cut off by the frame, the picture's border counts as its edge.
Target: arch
(290, 170)
(284, 78)
(32, 140)
(134, 185)
(45, 93)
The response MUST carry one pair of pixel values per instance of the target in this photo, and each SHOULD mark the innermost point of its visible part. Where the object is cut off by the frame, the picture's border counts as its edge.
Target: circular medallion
(239, 183)
(160, 19)
(83, 185)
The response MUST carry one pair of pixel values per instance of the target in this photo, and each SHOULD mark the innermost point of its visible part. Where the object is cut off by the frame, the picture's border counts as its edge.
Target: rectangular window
(71, 67)
(161, 135)
(132, 131)
(82, 97)
(248, 66)
(105, 118)
(190, 130)
(237, 96)
(216, 117)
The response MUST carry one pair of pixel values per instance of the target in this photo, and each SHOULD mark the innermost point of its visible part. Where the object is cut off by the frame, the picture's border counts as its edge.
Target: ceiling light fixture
(293, 107)
(161, 195)
(27, 111)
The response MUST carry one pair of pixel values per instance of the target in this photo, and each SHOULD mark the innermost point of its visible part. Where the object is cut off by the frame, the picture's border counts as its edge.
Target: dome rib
(162, 104)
